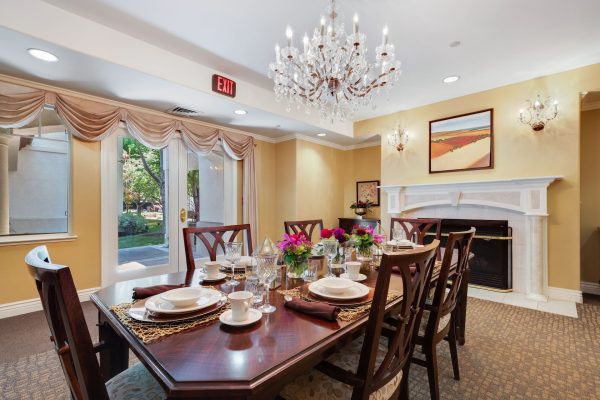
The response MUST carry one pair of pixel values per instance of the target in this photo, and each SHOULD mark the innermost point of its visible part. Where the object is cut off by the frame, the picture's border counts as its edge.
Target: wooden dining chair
(417, 228)
(370, 368)
(214, 237)
(439, 319)
(72, 340)
(307, 227)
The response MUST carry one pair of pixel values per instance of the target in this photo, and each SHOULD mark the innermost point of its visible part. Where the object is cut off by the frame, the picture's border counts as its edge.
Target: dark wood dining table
(215, 361)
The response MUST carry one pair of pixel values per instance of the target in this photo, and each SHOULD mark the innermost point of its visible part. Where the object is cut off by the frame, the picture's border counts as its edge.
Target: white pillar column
(536, 257)
(4, 222)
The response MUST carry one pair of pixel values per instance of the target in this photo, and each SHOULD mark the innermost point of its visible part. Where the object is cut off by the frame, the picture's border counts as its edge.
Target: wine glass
(399, 235)
(233, 254)
(267, 272)
(330, 249)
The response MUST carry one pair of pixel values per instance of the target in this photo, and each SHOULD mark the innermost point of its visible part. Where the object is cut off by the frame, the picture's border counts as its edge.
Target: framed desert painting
(461, 143)
(368, 191)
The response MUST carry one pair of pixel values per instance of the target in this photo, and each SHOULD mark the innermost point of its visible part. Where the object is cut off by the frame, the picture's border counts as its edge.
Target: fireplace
(492, 246)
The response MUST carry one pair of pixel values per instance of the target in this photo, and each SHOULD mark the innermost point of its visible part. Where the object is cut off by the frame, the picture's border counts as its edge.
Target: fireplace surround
(521, 201)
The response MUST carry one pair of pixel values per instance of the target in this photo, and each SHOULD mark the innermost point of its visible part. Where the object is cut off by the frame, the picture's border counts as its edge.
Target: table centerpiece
(296, 249)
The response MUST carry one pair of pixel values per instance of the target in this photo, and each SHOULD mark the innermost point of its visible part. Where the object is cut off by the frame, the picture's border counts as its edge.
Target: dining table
(216, 361)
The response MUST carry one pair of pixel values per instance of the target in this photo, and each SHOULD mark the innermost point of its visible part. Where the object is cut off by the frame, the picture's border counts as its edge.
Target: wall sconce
(398, 138)
(539, 112)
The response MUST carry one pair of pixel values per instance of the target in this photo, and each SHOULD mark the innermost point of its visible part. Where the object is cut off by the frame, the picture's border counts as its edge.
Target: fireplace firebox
(492, 248)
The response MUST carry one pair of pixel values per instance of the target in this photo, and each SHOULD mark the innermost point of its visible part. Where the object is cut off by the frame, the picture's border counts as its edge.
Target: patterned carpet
(511, 353)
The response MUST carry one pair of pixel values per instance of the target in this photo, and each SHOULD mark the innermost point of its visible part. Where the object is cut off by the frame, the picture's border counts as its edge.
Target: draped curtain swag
(93, 121)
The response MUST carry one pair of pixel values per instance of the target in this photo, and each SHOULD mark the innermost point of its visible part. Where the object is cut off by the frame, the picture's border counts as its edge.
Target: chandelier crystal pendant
(331, 73)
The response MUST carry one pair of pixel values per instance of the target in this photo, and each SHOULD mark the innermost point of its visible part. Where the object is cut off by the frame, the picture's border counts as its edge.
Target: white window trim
(16, 239)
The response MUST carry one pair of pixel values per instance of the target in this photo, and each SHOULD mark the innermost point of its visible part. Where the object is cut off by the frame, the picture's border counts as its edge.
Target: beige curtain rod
(83, 96)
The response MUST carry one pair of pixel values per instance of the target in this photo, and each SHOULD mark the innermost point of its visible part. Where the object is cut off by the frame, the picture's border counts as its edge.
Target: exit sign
(223, 85)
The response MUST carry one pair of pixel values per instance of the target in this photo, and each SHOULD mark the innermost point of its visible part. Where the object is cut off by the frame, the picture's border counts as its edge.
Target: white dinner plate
(360, 278)
(355, 291)
(207, 298)
(220, 276)
(253, 316)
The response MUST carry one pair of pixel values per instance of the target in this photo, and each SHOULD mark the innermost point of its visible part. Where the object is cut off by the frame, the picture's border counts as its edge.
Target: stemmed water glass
(233, 254)
(330, 249)
(267, 272)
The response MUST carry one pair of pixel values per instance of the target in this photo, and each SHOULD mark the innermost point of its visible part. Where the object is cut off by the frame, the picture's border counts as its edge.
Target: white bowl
(335, 285)
(182, 297)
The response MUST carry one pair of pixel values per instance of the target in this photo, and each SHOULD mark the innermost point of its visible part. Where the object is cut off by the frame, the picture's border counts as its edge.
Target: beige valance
(93, 121)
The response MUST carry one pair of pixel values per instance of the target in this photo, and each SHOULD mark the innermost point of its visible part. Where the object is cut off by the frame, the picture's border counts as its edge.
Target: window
(35, 196)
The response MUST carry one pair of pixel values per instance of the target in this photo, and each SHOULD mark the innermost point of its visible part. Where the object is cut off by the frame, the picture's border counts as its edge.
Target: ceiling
(502, 41)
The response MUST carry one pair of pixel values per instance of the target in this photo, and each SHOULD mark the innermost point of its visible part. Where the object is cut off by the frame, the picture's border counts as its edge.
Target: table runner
(347, 313)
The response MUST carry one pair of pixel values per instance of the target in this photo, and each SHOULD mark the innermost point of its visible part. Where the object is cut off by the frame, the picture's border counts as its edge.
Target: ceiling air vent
(184, 112)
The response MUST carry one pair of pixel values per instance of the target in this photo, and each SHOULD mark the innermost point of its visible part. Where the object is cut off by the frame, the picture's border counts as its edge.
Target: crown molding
(306, 138)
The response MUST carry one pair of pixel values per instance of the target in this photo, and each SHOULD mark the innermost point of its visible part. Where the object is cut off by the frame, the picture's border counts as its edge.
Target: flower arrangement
(338, 233)
(363, 236)
(361, 207)
(296, 250)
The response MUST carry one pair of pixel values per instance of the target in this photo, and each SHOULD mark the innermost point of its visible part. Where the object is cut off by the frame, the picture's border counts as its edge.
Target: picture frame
(462, 142)
(368, 190)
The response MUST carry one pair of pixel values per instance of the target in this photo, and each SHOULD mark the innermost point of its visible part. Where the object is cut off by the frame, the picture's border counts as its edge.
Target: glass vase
(296, 266)
(364, 254)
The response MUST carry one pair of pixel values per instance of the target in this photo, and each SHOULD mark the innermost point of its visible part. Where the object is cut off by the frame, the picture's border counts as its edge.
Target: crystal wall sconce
(539, 112)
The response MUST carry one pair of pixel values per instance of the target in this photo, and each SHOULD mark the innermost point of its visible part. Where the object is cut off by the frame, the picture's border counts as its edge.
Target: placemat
(149, 332)
(347, 313)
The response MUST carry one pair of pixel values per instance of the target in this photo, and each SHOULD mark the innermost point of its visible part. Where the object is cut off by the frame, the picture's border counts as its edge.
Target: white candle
(355, 21)
(277, 53)
(305, 41)
(289, 34)
(385, 35)
(322, 26)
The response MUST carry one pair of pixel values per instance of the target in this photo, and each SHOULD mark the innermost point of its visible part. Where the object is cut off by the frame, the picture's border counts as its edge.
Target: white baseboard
(590, 287)
(564, 294)
(28, 306)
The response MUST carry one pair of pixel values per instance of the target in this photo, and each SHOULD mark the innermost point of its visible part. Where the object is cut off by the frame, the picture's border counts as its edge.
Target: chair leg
(432, 372)
(453, 349)
(403, 394)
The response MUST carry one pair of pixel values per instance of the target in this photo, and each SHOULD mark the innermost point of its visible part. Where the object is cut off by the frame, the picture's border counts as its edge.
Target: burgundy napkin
(314, 308)
(143, 292)
(413, 270)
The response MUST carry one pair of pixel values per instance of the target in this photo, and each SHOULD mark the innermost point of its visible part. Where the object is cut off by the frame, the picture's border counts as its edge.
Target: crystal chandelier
(332, 73)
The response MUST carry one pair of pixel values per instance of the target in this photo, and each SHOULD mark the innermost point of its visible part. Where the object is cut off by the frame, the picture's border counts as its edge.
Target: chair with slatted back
(372, 367)
(307, 227)
(213, 238)
(417, 228)
(72, 340)
(439, 316)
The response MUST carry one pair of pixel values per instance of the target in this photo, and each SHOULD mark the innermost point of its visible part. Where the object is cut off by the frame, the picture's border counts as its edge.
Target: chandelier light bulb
(277, 53)
(385, 35)
(355, 24)
(305, 41)
(289, 34)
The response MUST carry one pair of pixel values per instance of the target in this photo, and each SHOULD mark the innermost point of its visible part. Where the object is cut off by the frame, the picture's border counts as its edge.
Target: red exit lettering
(223, 85)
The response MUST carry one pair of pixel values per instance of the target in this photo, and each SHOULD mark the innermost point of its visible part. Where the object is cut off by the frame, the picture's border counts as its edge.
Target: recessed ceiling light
(42, 55)
(451, 78)
(456, 43)
(321, 134)
(240, 112)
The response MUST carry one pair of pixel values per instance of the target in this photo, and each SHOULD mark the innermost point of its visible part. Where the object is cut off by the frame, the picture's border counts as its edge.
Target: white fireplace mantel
(512, 199)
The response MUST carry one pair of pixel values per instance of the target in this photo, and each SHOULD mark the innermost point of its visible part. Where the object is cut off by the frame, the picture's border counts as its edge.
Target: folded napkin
(143, 292)
(316, 309)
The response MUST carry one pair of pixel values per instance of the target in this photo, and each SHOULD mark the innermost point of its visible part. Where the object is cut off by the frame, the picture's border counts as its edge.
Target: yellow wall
(360, 165)
(590, 196)
(82, 255)
(518, 153)
(266, 181)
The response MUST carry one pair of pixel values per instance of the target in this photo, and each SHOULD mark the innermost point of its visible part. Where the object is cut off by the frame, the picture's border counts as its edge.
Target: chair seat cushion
(134, 383)
(317, 385)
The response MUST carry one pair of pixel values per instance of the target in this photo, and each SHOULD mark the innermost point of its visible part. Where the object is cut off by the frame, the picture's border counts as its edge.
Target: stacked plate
(178, 305)
(340, 291)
